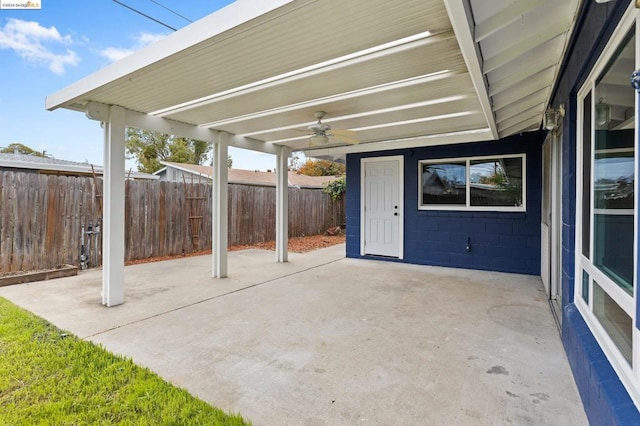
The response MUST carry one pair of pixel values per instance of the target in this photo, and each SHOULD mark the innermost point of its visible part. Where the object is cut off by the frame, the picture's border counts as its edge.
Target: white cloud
(145, 39)
(141, 40)
(28, 38)
(115, 54)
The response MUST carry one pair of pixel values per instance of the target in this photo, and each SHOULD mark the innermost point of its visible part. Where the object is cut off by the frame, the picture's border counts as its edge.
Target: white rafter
(407, 43)
(506, 16)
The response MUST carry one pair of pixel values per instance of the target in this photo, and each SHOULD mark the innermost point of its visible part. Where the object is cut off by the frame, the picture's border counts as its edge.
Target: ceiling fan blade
(348, 136)
(344, 132)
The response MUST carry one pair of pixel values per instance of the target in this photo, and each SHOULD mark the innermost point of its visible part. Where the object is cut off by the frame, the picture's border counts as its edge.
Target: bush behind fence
(42, 217)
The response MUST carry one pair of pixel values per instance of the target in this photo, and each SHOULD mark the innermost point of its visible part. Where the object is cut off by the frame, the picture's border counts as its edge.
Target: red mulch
(296, 245)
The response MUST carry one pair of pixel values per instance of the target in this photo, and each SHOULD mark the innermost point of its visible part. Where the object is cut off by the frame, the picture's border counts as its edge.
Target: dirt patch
(296, 245)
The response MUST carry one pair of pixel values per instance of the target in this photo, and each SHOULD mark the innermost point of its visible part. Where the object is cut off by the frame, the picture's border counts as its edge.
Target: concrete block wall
(603, 395)
(605, 399)
(500, 241)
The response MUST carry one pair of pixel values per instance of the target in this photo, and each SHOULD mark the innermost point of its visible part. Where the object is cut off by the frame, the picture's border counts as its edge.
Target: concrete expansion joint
(207, 299)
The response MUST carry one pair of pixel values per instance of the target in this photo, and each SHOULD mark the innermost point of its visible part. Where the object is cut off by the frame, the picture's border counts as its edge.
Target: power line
(171, 10)
(145, 15)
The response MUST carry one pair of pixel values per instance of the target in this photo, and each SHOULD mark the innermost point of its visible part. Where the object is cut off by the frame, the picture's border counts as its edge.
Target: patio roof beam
(170, 127)
(462, 20)
(252, 144)
(100, 112)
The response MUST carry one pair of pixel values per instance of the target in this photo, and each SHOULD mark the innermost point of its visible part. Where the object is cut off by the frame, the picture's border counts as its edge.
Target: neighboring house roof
(47, 165)
(251, 177)
(194, 169)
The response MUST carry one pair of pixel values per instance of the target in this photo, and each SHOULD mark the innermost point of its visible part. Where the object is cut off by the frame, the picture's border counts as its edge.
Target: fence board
(42, 217)
(7, 215)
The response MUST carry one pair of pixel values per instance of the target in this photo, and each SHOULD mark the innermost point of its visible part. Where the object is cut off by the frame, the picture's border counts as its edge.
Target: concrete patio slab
(329, 340)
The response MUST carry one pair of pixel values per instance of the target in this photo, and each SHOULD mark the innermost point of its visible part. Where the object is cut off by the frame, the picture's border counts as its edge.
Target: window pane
(614, 320)
(586, 176)
(614, 171)
(444, 183)
(613, 248)
(614, 178)
(496, 182)
(585, 286)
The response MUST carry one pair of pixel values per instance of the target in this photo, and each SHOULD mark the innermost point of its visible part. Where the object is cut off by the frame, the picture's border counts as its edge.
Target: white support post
(220, 219)
(113, 208)
(282, 204)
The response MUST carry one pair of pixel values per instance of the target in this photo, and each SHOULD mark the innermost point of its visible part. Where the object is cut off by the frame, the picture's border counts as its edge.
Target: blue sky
(42, 51)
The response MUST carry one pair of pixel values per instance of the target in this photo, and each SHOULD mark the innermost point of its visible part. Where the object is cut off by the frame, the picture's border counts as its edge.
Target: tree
(321, 168)
(21, 149)
(295, 161)
(149, 148)
(229, 162)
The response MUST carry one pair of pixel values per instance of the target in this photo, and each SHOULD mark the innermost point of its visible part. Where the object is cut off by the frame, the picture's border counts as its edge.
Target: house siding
(500, 241)
(171, 174)
(605, 399)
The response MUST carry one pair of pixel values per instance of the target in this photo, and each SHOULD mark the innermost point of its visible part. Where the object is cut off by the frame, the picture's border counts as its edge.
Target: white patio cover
(400, 73)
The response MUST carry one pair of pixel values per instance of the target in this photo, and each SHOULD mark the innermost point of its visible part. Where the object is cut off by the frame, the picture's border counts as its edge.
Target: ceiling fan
(321, 133)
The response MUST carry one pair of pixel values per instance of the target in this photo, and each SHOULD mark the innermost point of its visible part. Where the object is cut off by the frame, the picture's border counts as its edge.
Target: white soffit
(521, 44)
(392, 70)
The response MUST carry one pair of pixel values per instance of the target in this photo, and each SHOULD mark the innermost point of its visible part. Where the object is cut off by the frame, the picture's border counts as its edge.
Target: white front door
(382, 215)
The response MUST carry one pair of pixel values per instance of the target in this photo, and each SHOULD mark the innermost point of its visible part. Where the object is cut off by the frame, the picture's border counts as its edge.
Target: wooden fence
(42, 218)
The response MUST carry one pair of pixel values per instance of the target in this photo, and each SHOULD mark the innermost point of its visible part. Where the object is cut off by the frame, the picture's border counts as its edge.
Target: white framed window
(491, 183)
(606, 204)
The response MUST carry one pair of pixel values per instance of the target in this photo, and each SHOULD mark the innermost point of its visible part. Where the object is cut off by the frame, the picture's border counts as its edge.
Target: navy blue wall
(500, 241)
(604, 397)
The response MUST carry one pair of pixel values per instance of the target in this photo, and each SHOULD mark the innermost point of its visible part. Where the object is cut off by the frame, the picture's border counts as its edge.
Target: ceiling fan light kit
(317, 140)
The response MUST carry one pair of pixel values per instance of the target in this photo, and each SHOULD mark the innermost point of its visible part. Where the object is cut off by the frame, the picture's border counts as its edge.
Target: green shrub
(336, 188)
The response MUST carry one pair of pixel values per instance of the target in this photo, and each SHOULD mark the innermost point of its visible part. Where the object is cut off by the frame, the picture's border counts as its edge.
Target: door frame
(363, 163)
(554, 249)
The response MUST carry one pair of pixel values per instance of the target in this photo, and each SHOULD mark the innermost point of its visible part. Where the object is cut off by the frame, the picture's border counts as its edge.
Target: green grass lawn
(48, 376)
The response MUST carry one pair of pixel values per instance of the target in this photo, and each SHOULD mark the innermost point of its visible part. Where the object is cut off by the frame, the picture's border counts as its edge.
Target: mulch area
(296, 245)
